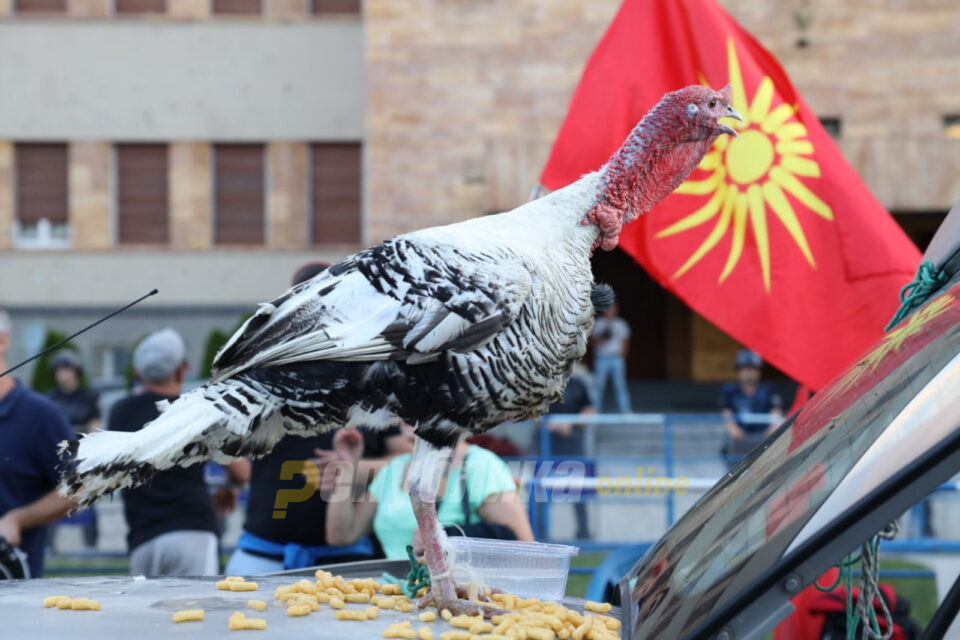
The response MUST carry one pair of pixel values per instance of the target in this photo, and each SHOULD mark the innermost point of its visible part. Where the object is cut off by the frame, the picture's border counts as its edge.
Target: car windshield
(800, 479)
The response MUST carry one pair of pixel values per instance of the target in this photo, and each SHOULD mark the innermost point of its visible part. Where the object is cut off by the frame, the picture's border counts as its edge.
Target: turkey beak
(731, 113)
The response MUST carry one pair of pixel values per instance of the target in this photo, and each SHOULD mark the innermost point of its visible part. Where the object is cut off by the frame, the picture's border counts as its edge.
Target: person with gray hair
(172, 526)
(30, 428)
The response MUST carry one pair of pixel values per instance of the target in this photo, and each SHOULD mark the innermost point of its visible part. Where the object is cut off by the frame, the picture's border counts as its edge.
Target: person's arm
(46, 509)
(776, 414)
(731, 427)
(349, 520)
(506, 509)
(238, 471)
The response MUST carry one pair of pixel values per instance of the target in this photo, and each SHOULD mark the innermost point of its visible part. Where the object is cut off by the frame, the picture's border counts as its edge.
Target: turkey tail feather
(218, 421)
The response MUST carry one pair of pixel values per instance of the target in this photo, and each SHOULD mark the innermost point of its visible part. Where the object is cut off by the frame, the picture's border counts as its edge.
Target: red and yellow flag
(773, 238)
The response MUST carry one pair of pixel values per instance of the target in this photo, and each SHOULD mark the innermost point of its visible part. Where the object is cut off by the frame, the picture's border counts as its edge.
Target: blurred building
(207, 147)
(204, 147)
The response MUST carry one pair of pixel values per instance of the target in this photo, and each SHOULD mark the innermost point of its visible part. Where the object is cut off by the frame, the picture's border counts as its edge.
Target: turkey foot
(462, 605)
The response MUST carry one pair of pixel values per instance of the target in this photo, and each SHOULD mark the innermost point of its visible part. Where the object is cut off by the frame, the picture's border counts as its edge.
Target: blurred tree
(43, 379)
(215, 341)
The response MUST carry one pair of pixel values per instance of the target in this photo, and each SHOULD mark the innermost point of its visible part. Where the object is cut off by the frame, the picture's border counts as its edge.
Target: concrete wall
(103, 279)
(159, 81)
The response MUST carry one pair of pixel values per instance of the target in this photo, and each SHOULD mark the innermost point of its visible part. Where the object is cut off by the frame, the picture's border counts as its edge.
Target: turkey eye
(713, 103)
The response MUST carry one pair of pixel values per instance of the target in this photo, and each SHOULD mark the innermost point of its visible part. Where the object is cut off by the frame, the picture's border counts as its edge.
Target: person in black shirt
(170, 519)
(298, 538)
(742, 403)
(78, 403)
(30, 429)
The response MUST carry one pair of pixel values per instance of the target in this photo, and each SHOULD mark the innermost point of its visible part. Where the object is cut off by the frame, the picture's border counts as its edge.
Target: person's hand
(224, 501)
(562, 429)
(323, 457)
(348, 445)
(737, 433)
(10, 528)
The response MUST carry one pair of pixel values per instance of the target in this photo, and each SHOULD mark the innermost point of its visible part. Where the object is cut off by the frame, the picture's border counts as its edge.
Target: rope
(846, 563)
(915, 293)
(870, 590)
(417, 578)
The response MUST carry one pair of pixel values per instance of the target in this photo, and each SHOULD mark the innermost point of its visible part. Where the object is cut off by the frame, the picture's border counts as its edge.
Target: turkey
(451, 329)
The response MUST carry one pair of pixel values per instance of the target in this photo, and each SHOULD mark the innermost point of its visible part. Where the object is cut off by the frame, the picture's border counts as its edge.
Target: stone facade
(190, 189)
(287, 226)
(464, 100)
(89, 8)
(188, 8)
(287, 8)
(6, 195)
(89, 198)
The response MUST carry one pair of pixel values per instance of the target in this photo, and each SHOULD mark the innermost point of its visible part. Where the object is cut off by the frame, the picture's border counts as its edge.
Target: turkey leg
(426, 469)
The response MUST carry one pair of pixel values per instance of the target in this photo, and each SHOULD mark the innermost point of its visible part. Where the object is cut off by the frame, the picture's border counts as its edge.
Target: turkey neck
(652, 162)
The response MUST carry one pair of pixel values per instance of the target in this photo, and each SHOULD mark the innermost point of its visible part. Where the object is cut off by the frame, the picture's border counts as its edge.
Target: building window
(40, 6)
(239, 193)
(323, 7)
(142, 194)
(41, 196)
(832, 126)
(139, 7)
(336, 192)
(237, 7)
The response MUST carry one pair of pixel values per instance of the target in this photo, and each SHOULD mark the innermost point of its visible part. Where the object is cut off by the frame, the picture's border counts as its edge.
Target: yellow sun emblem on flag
(750, 176)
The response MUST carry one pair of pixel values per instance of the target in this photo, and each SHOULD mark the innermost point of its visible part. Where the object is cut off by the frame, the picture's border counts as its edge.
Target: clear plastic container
(528, 569)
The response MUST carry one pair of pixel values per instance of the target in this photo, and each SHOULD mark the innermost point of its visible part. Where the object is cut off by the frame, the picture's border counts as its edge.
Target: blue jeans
(612, 367)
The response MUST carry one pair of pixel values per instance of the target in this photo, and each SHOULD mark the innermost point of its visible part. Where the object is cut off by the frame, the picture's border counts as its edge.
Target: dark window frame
(237, 233)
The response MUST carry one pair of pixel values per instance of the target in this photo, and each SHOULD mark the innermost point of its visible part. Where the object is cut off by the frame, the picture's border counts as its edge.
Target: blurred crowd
(360, 508)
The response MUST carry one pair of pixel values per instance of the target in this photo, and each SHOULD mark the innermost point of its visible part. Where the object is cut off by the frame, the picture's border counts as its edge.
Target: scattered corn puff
(537, 633)
(258, 624)
(336, 603)
(54, 601)
(242, 586)
(400, 630)
(597, 607)
(362, 598)
(295, 610)
(455, 635)
(385, 602)
(188, 615)
(404, 605)
(391, 590)
(465, 622)
(424, 633)
(372, 613)
(427, 616)
(259, 605)
(84, 604)
(351, 614)
(480, 627)
(446, 615)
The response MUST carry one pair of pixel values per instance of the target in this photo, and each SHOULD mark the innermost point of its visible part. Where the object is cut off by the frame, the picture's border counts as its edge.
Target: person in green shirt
(490, 507)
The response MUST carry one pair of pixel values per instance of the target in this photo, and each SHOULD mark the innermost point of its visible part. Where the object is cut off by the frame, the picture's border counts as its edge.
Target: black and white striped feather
(450, 329)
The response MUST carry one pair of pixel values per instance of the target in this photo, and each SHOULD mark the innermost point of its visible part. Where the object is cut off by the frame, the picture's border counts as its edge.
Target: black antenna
(71, 337)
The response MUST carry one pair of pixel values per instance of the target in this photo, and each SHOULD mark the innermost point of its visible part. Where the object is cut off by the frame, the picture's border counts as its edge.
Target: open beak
(731, 113)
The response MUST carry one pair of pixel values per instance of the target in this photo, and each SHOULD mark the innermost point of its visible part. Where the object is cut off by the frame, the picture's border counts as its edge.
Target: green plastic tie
(915, 293)
(417, 578)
